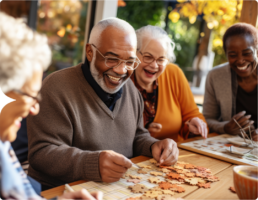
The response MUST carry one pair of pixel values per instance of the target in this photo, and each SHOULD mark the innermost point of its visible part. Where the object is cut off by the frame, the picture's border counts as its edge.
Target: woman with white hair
(24, 55)
(169, 107)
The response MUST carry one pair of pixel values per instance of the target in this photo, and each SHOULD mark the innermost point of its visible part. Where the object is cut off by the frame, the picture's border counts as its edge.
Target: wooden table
(218, 190)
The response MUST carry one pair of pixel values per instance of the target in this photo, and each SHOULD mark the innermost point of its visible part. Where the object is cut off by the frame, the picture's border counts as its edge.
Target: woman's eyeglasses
(37, 98)
(149, 59)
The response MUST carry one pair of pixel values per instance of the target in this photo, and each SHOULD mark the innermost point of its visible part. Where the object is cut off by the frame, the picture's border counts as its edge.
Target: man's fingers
(165, 154)
(97, 195)
(239, 115)
(81, 194)
(110, 180)
(118, 168)
(243, 120)
(121, 160)
(172, 158)
(255, 137)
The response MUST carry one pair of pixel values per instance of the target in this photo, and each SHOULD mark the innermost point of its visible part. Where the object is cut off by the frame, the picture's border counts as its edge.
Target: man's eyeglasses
(149, 59)
(112, 62)
(37, 98)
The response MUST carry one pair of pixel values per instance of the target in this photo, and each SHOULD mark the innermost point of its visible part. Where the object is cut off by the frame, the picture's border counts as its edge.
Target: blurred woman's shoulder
(219, 69)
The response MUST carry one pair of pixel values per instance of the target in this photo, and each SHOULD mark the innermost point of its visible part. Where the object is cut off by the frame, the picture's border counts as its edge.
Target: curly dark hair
(241, 29)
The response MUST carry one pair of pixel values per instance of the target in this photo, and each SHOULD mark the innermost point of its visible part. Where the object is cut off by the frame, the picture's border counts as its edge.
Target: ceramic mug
(246, 186)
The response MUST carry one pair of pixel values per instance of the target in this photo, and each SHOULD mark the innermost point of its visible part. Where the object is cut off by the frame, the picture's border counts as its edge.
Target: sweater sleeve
(189, 108)
(211, 108)
(143, 140)
(50, 135)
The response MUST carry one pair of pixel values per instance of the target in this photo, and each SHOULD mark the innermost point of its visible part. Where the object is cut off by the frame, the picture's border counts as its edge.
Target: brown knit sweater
(74, 126)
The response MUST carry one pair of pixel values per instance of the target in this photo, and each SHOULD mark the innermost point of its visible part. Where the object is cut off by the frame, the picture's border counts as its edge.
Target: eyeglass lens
(113, 62)
(150, 59)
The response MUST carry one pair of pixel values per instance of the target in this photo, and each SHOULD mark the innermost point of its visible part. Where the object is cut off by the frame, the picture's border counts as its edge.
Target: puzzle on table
(218, 147)
(147, 180)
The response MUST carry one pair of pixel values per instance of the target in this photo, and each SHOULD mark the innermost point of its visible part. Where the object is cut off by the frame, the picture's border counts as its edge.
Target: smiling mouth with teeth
(243, 68)
(150, 72)
(114, 78)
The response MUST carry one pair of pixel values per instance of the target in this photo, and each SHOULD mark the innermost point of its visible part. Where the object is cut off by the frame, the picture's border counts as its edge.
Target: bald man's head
(96, 33)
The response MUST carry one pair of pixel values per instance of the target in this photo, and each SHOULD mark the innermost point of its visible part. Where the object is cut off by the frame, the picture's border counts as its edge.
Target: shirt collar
(104, 96)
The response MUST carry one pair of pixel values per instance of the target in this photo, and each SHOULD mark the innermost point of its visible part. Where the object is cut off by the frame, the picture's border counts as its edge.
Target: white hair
(157, 33)
(105, 23)
(22, 51)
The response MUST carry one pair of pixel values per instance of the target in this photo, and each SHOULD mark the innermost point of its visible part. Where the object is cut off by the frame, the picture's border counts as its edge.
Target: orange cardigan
(175, 104)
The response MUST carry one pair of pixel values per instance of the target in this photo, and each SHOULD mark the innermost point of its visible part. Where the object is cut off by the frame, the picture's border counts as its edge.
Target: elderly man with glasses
(91, 121)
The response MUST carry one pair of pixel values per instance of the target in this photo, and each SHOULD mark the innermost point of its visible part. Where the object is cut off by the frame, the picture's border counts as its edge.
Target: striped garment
(13, 180)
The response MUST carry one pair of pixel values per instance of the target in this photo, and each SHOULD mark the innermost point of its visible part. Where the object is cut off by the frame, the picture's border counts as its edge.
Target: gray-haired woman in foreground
(24, 55)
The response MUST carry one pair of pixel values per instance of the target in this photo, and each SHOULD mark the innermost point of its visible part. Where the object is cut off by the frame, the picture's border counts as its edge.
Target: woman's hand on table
(154, 128)
(243, 120)
(165, 152)
(82, 194)
(112, 166)
(198, 127)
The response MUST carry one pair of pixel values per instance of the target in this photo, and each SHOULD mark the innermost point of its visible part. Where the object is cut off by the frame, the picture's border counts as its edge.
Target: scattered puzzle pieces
(134, 177)
(153, 161)
(133, 180)
(144, 166)
(133, 198)
(165, 197)
(165, 185)
(192, 181)
(138, 188)
(174, 175)
(190, 174)
(211, 178)
(189, 166)
(179, 189)
(174, 182)
(165, 170)
(156, 173)
(145, 198)
(178, 167)
(204, 185)
(154, 180)
(168, 192)
(152, 194)
(141, 171)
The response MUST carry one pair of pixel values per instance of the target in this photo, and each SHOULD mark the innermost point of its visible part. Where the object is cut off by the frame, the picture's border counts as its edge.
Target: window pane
(64, 24)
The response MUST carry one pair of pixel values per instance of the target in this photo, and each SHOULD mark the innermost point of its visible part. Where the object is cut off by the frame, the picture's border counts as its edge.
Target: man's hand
(255, 134)
(165, 152)
(198, 127)
(154, 128)
(232, 128)
(112, 166)
(82, 194)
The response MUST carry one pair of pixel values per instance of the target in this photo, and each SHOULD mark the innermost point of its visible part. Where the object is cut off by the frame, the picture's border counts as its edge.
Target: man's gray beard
(100, 78)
